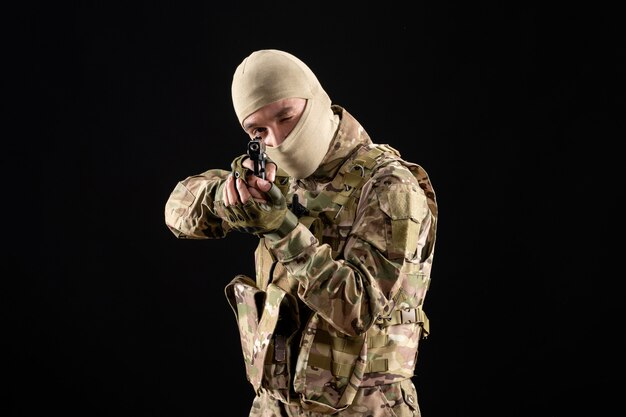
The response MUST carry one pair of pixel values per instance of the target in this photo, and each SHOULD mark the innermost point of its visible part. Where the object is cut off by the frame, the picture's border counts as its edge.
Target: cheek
(271, 139)
(279, 140)
(279, 136)
(288, 129)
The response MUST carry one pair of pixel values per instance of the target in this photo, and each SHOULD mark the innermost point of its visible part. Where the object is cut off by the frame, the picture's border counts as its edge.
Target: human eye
(255, 133)
(286, 118)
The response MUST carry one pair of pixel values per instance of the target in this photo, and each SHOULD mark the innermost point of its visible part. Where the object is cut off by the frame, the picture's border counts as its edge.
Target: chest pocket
(330, 214)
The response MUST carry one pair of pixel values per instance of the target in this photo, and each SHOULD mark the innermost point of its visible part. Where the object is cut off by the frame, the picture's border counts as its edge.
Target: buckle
(408, 315)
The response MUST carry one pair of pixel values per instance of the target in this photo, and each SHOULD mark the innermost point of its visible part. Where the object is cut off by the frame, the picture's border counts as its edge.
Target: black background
(516, 112)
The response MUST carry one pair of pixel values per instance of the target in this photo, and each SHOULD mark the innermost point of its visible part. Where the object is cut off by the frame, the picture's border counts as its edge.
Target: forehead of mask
(270, 75)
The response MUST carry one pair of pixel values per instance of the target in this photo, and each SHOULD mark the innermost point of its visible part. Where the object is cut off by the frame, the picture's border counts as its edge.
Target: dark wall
(516, 112)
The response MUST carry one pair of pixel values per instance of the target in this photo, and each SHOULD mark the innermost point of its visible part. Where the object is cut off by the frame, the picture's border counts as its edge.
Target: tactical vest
(330, 366)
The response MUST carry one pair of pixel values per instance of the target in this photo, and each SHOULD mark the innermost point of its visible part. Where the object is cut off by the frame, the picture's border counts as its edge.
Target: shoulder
(392, 172)
(392, 183)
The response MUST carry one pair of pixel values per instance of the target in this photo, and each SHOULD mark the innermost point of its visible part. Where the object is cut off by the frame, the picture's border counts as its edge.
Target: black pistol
(256, 152)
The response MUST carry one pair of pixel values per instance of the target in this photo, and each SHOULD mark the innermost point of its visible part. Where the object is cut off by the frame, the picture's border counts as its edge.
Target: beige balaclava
(269, 75)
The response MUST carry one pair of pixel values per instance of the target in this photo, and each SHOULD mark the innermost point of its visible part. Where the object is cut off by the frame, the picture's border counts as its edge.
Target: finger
(242, 189)
(231, 196)
(259, 183)
(248, 163)
(257, 195)
(275, 196)
(225, 193)
(270, 171)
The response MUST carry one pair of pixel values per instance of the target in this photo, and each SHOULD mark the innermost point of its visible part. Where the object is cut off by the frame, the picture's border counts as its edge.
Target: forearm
(189, 209)
(343, 292)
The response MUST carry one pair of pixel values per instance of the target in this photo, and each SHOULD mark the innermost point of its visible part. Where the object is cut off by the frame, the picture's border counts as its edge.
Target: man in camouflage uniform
(332, 321)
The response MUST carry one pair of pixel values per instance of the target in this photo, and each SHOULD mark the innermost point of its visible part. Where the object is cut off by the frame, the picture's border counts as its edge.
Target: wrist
(289, 223)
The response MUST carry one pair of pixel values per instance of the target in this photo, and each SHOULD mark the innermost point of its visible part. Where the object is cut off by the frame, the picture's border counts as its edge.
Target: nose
(269, 138)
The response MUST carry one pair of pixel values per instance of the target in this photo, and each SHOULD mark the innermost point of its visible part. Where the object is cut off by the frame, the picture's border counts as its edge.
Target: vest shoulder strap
(356, 171)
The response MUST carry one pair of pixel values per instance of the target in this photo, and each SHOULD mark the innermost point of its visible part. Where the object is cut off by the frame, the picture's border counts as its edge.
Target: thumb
(264, 185)
(275, 195)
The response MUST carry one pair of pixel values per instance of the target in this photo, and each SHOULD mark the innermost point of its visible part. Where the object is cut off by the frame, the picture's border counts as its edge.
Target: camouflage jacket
(342, 294)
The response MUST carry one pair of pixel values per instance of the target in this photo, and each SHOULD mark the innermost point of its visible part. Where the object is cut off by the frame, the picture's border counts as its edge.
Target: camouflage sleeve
(189, 210)
(350, 292)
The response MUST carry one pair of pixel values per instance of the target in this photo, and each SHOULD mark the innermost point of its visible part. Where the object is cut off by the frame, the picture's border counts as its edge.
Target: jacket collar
(349, 137)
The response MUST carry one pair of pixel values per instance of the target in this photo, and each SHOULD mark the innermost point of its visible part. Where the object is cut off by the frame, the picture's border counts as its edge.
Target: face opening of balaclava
(269, 75)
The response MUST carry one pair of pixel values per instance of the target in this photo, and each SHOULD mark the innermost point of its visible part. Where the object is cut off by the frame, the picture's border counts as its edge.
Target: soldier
(331, 323)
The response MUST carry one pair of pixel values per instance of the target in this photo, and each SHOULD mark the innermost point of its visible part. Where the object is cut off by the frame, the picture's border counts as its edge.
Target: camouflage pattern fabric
(354, 287)
(398, 399)
(253, 216)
